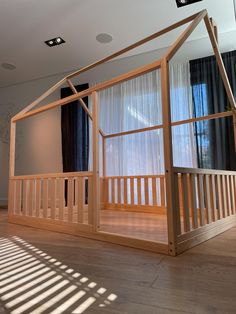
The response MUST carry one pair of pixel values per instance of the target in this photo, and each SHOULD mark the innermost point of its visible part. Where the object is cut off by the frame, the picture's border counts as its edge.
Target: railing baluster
(90, 201)
(208, 200)
(25, 193)
(81, 199)
(213, 194)
(118, 191)
(125, 191)
(113, 191)
(229, 197)
(17, 196)
(162, 190)
(224, 196)
(146, 191)
(70, 194)
(201, 199)
(139, 191)
(185, 203)
(45, 198)
(233, 192)
(154, 191)
(177, 204)
(132, 191)
(194, 201)
(219, 194)
(61, 204)
(38, 197)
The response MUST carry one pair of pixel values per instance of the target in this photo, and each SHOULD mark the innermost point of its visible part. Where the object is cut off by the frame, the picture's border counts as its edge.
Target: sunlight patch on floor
(33, 282)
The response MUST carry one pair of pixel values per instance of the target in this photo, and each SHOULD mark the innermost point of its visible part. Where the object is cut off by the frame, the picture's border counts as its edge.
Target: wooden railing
(66, 197)
(203, 197)
(142, 193)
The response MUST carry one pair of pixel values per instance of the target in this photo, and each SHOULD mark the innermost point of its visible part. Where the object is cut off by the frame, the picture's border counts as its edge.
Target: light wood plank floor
(143, 226)
(43, 271)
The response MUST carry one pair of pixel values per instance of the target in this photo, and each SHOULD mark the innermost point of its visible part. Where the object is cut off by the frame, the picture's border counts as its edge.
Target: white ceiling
(26, 24)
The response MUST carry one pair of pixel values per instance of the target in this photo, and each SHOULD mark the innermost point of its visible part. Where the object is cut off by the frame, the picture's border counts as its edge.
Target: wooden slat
(113, 191)
(53, 197)
(162, 190)
(38, 197)
(132, 191)
(185, 203)
(177, 204)
(102, 191)
(201, 199)
(228, 196)
(11, 197)
(233, 193)
(146, 191)
(81, 199)
(18, 194)
(25, 200)
(125, 191)
(154, 191)
(70, 197)
(219, 195)
(31, 198)
(213, 194)
(119, 190)
(61, 187)
(194, 201)
(208, 200)
(224, 196)
(105, 190)
(45, 198)
(90, 201)
(139, 191)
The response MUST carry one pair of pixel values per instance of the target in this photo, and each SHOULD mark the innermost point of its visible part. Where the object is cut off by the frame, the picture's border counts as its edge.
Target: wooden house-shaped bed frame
(198, 203)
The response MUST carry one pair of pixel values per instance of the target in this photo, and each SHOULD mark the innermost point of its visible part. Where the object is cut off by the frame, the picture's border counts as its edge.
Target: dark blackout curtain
(75, 133)
(215, 138)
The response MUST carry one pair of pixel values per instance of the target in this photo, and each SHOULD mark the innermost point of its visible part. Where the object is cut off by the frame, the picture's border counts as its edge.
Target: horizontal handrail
(203, 171)
(134, 177)
(53, 175)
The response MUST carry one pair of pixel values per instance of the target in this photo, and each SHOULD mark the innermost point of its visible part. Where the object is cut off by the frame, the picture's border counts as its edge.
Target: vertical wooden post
(11, 165)
(168, 154)
(96, 181)
(104, 142)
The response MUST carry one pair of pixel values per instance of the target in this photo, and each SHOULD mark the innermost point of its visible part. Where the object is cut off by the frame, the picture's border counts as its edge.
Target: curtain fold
(75, 133)
(215, 139)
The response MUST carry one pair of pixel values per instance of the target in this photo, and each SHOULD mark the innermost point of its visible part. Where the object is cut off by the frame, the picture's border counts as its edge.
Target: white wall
(38, 148)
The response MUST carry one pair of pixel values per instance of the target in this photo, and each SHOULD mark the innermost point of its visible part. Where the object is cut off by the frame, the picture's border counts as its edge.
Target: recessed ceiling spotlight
(104, 38)
(8, 66)
(54, 41)
(181, 3)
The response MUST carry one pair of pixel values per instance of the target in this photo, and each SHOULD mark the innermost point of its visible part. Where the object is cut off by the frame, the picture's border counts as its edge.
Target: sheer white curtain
(137, 104)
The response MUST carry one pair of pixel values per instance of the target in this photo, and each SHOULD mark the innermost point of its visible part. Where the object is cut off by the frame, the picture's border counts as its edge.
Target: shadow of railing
(33, 282)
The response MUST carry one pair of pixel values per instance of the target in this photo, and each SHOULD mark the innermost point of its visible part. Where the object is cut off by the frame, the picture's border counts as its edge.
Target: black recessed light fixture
(55, 41)
(182, 3)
